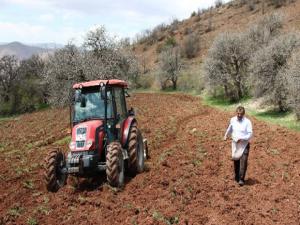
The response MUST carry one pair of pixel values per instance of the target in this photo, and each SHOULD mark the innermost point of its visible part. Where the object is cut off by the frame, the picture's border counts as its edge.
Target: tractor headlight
(72, 145)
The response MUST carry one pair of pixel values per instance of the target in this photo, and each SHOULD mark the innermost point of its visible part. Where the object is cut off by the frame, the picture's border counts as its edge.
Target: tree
(266, 66)
(8, 76)
(114, 58)
(170, 65)
(291, 73)
(32, 89)
(62, 69)
(100, 57)
(226, 65)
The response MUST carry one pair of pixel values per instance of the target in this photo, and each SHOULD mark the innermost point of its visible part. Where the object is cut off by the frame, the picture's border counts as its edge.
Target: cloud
(47, 17)
(37, 33)
(59, 18)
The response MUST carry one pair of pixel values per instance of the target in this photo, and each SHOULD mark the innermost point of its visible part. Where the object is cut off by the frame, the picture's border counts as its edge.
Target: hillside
(207, 24)
(22, 51)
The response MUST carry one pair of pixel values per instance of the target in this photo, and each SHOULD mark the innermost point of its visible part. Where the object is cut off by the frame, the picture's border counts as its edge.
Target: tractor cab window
(94, 106)
(120, 102)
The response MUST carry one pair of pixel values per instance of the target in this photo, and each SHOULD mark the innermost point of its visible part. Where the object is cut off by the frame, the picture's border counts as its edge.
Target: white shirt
(239, 130)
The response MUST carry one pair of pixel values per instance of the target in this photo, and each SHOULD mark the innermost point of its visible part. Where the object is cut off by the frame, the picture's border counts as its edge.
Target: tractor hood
(84, 135)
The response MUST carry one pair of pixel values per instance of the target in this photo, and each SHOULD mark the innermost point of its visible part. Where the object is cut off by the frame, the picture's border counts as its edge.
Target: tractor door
(120, 103)
(121, 109)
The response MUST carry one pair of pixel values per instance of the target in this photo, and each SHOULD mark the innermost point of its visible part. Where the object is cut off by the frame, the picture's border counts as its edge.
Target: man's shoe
(241, 183)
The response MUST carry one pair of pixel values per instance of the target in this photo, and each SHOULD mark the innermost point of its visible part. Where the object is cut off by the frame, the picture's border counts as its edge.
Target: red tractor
(105, 137)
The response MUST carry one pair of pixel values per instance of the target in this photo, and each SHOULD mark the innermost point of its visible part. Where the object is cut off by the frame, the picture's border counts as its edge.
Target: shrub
(193, 14)
(218, 3)
(264, 30)
(191, 46)
(191, 79)
(146, 81)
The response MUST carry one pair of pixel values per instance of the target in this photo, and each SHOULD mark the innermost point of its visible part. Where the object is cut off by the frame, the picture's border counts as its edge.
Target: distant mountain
(22, 51)
(50, 45)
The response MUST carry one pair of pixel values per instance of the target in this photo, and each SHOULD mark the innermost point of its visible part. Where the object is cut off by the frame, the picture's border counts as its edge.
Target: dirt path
(188, 180)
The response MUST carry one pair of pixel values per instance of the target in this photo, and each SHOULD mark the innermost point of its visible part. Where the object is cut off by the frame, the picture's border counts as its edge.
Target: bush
(191, 46)
(191, 80)
(146, 81)
(264, 30)
(278, 3)
(193, 14)
(170, 42)
(218, 3)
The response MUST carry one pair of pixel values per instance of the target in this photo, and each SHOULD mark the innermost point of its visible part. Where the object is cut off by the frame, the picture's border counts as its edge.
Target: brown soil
(189, 177)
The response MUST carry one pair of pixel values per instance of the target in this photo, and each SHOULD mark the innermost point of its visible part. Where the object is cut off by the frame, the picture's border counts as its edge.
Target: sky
(62, 21)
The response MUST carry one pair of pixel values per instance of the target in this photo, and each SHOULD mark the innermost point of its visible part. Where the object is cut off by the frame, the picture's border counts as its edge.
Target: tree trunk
(174, 84)
(226, 91)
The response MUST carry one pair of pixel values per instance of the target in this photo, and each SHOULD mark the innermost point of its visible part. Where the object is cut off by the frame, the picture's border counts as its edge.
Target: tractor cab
(105, 136)
(101, 100)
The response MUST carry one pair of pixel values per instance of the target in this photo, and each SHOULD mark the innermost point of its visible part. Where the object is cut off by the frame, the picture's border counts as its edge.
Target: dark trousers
(240, 166)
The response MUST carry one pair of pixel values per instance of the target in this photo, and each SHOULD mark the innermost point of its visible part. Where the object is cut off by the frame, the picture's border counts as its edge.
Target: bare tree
(170, 65)
(227, 63)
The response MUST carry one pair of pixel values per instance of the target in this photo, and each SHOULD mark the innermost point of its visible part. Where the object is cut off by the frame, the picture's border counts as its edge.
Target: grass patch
(220, 103)
(164, 155)
(285, 119)
(64, 141)
(159, 217)
(28, 184)
(32, 221)
(42, 209)
(8, 118)
(2, 147)
(16, 211)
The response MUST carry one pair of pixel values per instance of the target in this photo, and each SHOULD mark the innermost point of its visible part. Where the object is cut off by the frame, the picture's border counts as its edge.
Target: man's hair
(240, 109)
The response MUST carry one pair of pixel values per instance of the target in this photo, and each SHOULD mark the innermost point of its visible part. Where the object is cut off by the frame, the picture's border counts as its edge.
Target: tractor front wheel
(54, 175)
(115, 165)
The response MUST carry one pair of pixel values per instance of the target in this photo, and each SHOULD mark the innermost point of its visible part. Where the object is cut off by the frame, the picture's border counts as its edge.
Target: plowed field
(189, 177)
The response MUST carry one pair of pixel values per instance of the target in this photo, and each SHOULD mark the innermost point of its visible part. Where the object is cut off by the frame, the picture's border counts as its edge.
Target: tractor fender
(126, 130)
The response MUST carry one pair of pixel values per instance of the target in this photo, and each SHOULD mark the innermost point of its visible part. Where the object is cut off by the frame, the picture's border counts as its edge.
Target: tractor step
(73, 170)
(102, 167)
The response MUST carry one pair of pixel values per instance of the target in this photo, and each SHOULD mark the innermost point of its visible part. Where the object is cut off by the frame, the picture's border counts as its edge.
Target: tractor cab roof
(94, 83)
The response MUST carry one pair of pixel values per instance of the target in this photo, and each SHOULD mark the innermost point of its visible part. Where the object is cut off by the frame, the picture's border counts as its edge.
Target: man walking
(240, 129)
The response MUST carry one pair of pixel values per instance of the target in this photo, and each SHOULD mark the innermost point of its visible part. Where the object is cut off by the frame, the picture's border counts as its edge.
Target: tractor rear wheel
(136, 151)
(115, 165)
(55, 178)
